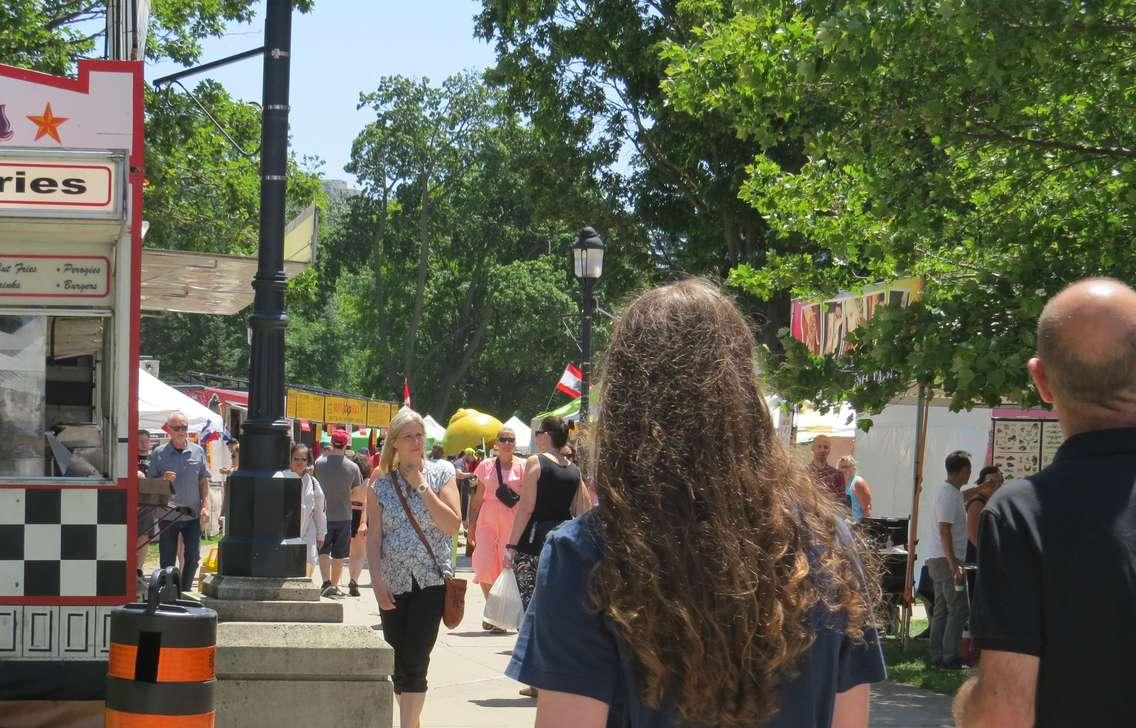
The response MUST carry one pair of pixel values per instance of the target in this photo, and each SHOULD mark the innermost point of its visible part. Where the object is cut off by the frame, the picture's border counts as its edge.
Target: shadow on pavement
(907, 707)
(505, 703)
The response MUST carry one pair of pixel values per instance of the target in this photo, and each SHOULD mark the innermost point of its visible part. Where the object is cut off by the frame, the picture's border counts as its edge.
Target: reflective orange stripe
(120, 719)
(120, 663)
(175, 664)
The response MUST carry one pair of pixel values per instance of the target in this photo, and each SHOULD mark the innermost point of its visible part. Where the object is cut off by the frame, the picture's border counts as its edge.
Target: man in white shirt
(945, 558)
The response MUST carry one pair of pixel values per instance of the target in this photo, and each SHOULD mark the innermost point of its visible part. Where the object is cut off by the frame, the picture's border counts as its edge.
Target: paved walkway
(468, 688)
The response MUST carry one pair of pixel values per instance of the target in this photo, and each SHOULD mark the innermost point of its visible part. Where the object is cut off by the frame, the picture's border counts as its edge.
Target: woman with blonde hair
(856, 489)
(713, 585)
(412, 512)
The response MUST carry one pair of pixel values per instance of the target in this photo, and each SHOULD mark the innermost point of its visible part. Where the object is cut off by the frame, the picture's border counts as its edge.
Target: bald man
(824, 475)
(1055, 608)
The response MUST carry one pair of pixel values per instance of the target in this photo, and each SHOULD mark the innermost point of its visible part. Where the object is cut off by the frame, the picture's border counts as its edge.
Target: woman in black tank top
(552, 487)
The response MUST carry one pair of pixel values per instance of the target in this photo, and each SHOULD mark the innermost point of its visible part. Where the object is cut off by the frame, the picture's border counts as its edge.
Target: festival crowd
(703, 577)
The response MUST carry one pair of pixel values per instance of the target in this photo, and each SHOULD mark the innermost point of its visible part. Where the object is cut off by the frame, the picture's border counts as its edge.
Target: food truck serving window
(55, 395)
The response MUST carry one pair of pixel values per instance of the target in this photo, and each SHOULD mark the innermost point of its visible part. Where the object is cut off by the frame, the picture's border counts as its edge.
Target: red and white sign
(54, 276)
(87, 184)
(570, 381)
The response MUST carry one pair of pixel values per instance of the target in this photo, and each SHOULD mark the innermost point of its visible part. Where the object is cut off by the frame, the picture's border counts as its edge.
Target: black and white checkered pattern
(63, 542)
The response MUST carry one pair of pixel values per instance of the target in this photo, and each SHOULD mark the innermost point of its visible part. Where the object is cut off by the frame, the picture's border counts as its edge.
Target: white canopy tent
(887, 452)
(523, 433)
(157, 401)
(836, 423)
(434, 431)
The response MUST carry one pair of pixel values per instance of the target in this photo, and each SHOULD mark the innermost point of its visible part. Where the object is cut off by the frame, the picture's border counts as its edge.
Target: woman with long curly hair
(713, 585)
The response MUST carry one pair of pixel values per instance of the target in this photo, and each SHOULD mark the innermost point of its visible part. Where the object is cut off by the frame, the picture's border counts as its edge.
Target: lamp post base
(267, 505)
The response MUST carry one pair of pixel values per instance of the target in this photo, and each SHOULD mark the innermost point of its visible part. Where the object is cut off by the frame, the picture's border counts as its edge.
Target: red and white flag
(570, 381)
(405, 392)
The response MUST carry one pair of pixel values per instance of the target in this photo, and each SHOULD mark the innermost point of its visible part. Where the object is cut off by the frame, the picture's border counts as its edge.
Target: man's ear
(1040, 379)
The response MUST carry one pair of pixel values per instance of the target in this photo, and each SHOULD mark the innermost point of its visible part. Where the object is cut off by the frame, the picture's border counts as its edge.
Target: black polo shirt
(1057, 579)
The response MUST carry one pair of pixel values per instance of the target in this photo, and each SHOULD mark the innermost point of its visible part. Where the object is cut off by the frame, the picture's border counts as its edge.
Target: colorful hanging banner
(823, 325)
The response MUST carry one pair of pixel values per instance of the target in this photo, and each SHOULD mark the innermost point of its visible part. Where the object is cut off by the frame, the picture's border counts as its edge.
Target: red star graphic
(47, 124)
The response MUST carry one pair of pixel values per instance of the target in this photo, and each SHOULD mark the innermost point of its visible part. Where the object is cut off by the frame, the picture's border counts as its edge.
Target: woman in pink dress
(491, 521)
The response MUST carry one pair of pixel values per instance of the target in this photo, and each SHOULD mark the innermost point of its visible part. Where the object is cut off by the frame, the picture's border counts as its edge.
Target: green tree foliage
(987, 146)
(451, 267)
(589, 74)
(203, 195)
(50, 35)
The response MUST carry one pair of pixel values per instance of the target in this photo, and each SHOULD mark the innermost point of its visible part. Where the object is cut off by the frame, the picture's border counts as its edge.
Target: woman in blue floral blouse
(409, 584)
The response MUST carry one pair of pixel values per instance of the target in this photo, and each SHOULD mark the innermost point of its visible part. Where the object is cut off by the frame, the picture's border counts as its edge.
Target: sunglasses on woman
(506, 440)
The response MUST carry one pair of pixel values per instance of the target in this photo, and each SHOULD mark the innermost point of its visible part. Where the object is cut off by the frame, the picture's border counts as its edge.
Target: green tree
(204, 195)
(986, 146)
(50, 35)
(458, 245)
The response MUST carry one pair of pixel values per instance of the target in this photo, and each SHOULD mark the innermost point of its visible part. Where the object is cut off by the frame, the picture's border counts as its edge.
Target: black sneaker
(353, 588)
(955, 664)
(330, 590)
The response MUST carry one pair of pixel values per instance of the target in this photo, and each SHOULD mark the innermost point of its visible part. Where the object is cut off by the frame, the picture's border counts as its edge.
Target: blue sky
(342, 48)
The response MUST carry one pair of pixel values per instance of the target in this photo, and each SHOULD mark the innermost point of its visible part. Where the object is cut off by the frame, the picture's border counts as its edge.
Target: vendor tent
(435, 433)
(570, 412)
(157, 401)
(523, 433)
(811, 423)
(361, 440)
(886, 452)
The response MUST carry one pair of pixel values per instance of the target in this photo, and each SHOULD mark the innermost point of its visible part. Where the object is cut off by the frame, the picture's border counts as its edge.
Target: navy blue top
(564, 645)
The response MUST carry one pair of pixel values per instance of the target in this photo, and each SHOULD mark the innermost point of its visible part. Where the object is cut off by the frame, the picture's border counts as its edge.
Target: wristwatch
(421, 489)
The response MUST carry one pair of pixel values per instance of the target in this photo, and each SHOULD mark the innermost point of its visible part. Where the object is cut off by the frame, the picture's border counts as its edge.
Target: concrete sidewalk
(468, 688)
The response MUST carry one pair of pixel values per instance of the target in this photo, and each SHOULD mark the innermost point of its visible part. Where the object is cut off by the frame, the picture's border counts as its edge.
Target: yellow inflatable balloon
(469, 428)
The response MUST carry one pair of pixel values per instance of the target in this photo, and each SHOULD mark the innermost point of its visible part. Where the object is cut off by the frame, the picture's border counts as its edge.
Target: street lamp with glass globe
(587, 256)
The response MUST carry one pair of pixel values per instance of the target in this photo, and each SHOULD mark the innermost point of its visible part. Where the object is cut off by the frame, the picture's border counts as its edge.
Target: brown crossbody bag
(454, 610)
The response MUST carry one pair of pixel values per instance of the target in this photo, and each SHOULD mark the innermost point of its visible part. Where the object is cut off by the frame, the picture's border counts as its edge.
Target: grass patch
(912, 666)
(206, 543)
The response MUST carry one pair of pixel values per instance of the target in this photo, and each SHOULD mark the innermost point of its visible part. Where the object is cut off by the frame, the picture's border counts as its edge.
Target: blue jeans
(190, 531)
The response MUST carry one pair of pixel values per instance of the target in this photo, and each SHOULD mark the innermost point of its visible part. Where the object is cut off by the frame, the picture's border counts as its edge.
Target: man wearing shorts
(337, 476)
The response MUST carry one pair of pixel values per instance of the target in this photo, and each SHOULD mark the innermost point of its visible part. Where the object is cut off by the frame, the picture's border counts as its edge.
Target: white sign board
(54, 276)
(59, 185)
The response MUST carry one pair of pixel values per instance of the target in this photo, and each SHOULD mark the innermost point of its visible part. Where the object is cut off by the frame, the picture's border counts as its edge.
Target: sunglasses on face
(506, 440)
(179, 428)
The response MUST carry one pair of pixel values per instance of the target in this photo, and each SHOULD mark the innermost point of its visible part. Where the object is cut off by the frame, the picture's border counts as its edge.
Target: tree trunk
(730, 232)
(455, 374)
(420, 290)
(381, 330)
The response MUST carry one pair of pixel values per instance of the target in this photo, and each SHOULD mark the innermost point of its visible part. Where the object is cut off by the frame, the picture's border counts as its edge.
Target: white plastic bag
(503, 607)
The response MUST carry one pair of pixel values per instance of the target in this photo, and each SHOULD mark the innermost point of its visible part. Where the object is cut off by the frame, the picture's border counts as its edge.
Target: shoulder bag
(454, 609)
(509, 497)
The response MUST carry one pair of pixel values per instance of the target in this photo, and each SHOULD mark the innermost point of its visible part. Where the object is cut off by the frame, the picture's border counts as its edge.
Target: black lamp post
(264, 496)
(587, 256)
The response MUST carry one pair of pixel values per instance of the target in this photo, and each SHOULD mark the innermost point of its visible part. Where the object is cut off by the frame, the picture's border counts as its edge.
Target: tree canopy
(986, 146)
(450, 268)
(50, 35)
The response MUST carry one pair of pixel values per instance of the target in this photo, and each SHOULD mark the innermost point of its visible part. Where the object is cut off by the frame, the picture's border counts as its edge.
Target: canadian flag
(570, 381)
(405, 392)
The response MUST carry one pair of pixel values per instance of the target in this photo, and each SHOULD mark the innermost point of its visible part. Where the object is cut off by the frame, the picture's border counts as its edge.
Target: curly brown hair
(717, 548)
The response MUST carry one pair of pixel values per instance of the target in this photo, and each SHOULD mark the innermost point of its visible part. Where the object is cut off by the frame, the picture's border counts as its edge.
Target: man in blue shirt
(182, 463)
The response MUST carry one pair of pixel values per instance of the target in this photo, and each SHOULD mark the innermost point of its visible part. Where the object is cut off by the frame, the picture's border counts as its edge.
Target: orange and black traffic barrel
(160, 670)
